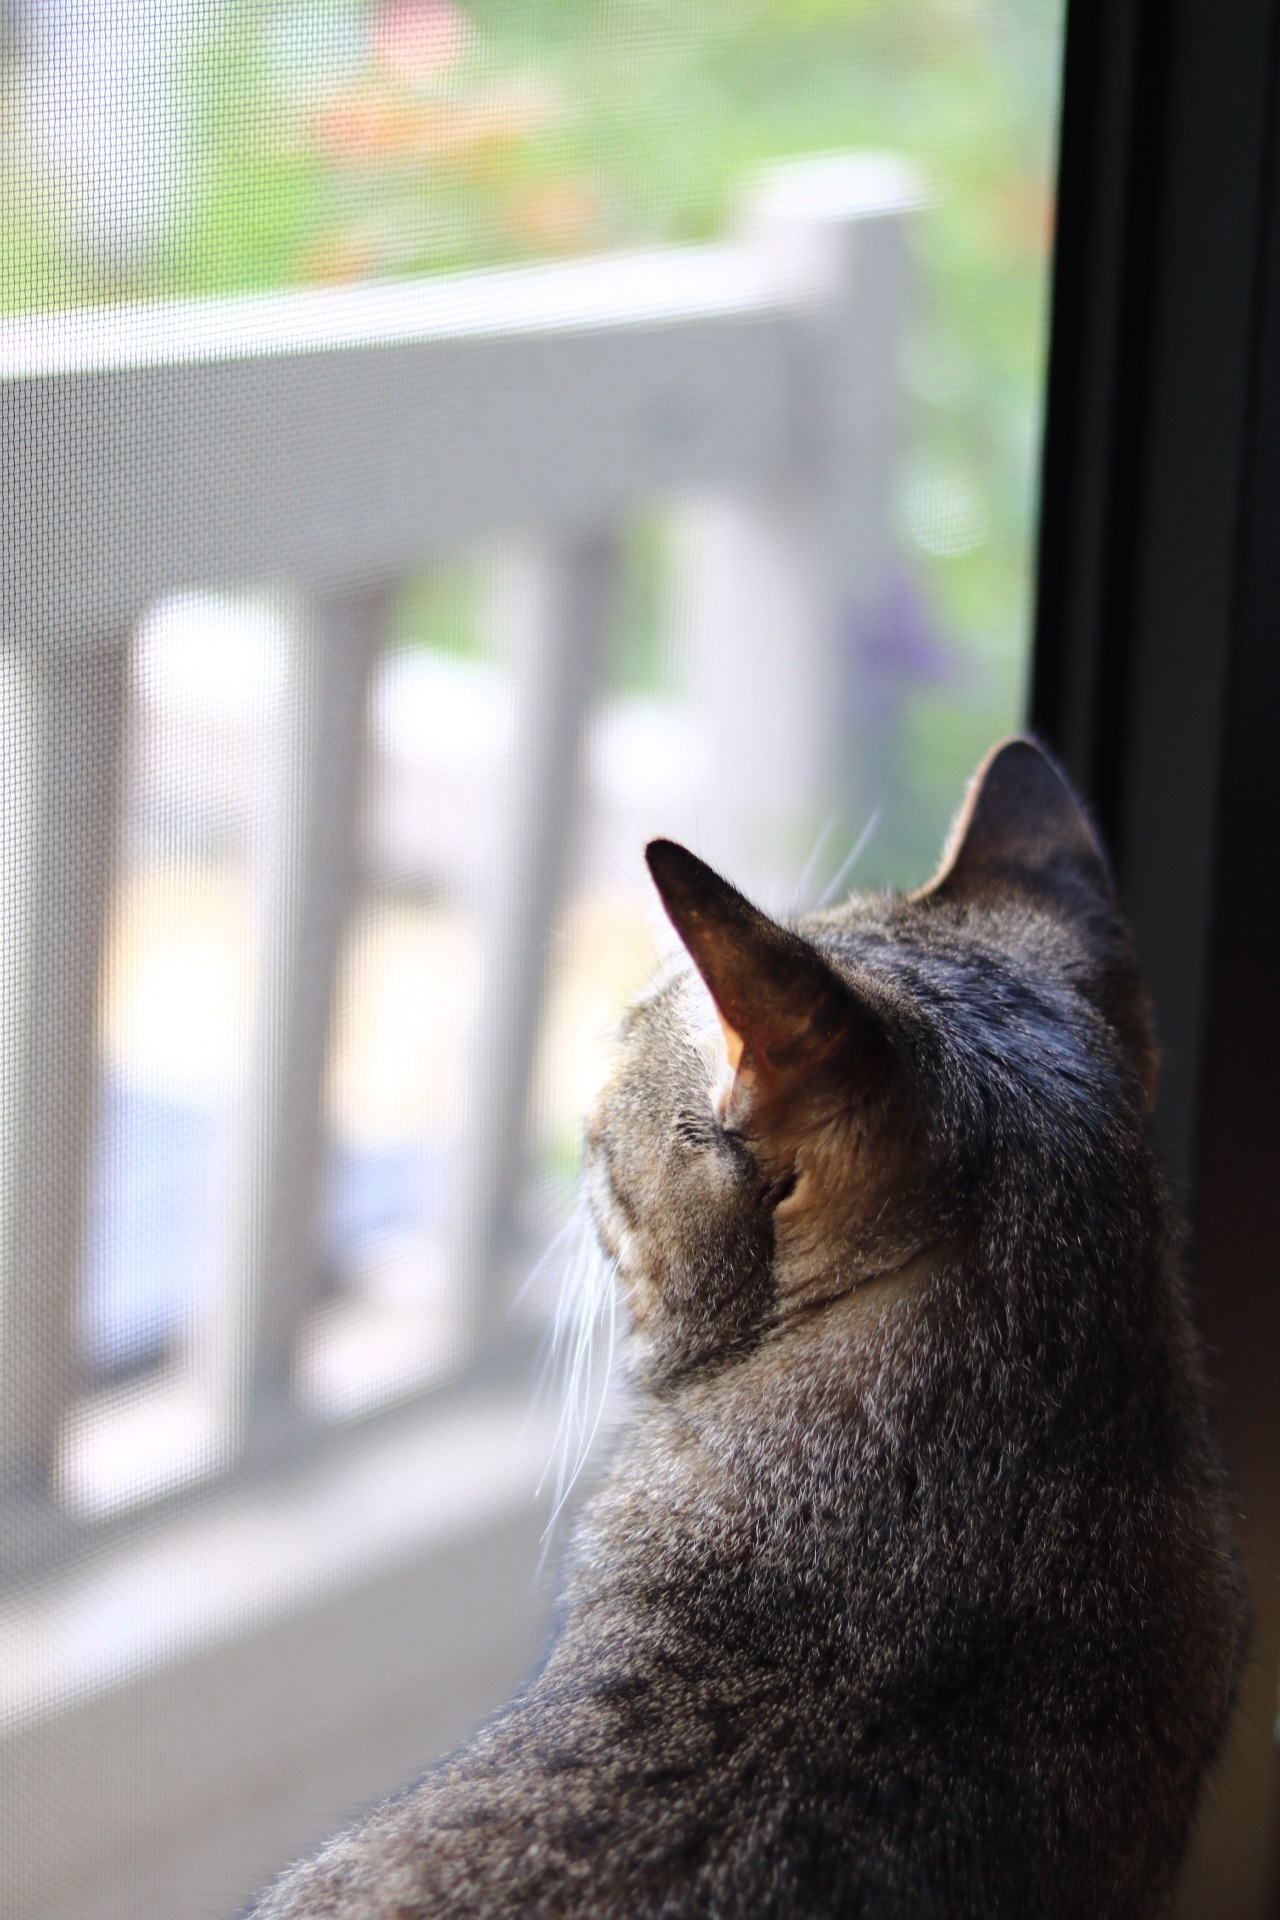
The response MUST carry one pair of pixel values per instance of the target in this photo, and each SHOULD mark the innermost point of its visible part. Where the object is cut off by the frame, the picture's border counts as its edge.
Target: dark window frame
(1156, 677)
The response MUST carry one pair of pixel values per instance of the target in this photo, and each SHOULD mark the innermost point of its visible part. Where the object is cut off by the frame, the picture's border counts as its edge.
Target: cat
(910, 1590)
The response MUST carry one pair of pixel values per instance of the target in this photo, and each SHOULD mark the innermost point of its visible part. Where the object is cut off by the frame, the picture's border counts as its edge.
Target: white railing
(325, 444)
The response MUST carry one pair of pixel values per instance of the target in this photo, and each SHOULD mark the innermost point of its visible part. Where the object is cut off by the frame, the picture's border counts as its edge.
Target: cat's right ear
(785, 1015)
(1022, 831)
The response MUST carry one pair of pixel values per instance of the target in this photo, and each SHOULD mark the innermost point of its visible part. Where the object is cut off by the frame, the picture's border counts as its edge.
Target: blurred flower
(336, 257)
(555, 216)
(901, 641)
(1023, 218)
(370, 122)
(365, 123)
(417, 42)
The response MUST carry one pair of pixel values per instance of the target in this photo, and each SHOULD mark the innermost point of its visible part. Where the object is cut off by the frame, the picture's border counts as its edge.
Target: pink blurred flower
(417, 41)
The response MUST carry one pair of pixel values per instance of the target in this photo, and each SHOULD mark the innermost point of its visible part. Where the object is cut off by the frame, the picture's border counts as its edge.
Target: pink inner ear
(782, 1011)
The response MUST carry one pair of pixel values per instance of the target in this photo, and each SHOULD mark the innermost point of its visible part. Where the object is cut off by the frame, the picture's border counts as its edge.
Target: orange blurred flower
(337, 257)
(556, 216)
(1024, 212)
(373, 123)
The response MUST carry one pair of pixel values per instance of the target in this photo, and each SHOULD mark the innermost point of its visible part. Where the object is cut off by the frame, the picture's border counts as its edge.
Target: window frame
(1155, 673)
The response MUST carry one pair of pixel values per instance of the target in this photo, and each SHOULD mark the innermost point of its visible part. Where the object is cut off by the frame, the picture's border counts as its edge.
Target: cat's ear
(784, 1013)
(1021, 829)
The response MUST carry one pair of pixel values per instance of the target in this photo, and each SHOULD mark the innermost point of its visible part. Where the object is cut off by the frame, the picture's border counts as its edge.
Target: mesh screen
(445, 446)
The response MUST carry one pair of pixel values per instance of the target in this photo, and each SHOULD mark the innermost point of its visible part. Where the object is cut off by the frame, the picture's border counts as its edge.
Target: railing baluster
(785, 588)
(309, 878)
(64, 728)
(761, 373)
(556, 607)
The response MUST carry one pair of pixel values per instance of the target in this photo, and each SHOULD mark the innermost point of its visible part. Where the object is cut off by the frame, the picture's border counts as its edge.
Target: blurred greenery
(328, 140)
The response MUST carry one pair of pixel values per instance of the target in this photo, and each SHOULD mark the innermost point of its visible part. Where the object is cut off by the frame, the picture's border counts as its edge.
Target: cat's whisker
(567, 1479)
(851, 859)
(801, 893)
(566, 1242)
(552, 1361)
(583, 1356)
(568, 1227)
(571, 1366)
(605, 1380)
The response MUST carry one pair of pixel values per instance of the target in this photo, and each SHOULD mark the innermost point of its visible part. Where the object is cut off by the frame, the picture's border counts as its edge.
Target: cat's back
(911, 1588)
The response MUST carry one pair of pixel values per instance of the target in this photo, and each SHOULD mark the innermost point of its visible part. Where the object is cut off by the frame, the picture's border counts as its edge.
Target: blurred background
(336, 866)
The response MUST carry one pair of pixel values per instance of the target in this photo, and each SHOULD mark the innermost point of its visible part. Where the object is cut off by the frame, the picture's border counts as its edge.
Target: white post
(556, 611)
(63, 727)
(779, 592)
(308, 884)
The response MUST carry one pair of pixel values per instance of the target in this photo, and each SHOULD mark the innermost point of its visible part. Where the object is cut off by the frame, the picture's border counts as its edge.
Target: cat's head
(813, 1110)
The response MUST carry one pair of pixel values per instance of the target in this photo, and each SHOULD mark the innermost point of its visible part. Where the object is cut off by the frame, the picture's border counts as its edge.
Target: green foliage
(440, 609)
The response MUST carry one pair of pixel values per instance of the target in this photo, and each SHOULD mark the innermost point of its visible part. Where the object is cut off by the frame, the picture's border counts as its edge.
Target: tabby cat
(910, 1590)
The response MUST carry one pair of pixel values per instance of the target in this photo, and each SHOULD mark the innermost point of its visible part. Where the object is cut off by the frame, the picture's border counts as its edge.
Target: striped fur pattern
(911, 1589)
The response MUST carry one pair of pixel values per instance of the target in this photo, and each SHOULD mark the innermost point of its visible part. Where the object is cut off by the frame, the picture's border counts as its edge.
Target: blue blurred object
(148, 1228)
(157, 1199)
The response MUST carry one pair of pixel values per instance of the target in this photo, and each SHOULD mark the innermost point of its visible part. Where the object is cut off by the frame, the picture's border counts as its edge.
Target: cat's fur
(910, 1591)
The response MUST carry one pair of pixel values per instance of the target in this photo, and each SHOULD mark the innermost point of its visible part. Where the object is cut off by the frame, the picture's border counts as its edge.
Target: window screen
(445, 446)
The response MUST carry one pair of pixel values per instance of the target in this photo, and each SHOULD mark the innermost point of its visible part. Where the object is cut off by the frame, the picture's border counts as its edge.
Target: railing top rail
(334, 439)
(624, 289)
(637, 288)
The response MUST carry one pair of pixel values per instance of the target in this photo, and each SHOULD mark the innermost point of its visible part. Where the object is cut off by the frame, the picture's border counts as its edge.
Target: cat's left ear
(785, 1015)
(1022, 832)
